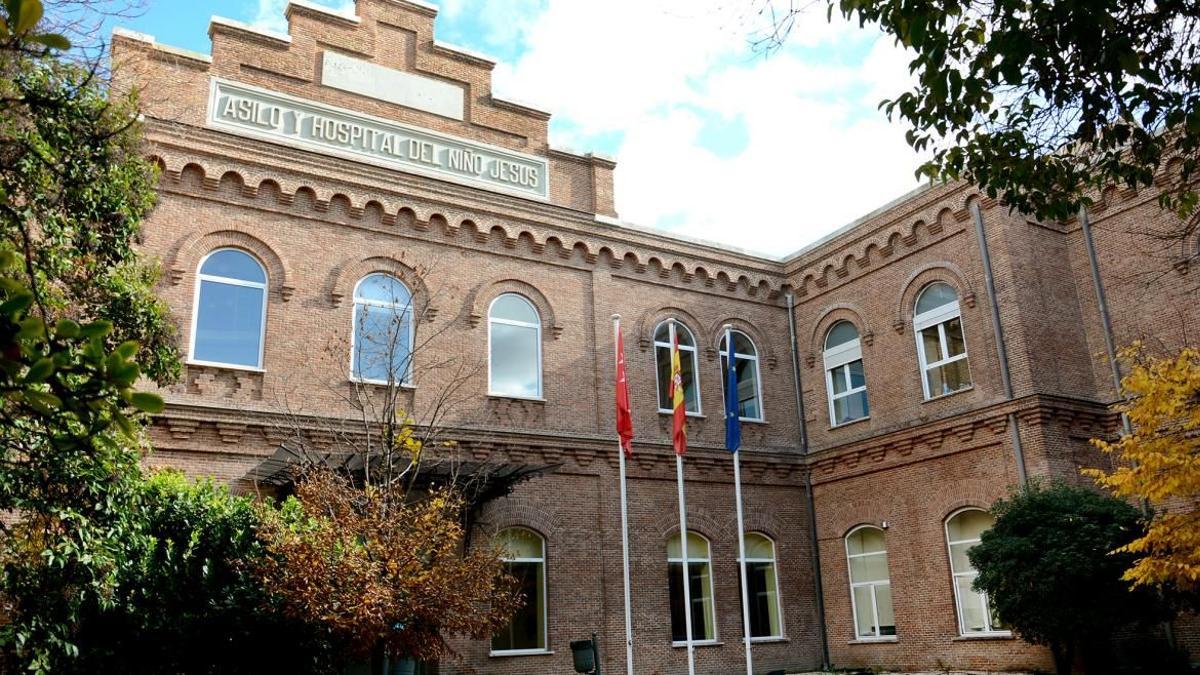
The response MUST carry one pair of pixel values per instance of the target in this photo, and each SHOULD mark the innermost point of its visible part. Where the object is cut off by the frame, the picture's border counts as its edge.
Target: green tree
(187, 599)
(1038, 102)
(1049, 569)
(74, 305)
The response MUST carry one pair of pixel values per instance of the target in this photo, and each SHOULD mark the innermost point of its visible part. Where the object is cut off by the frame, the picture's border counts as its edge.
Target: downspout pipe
(998, 335)
(1110, 345)
(818, 587)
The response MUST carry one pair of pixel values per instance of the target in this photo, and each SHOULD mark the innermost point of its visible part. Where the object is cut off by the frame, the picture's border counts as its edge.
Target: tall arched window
(381, 348)
(941, 345)
(749, 384)
(514, 347)
(870, 587)
(688, 364)
(762, 587)
(963, 531)
(845, 378)
(700, 585)
(230, 310)
(525, 559)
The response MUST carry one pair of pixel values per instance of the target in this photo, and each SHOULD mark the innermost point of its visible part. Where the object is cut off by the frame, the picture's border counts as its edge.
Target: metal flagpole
(624, 524)
(683, 533)
(732, 410)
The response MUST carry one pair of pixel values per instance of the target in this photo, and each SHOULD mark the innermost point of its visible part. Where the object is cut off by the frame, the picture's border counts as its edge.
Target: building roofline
(855, 223)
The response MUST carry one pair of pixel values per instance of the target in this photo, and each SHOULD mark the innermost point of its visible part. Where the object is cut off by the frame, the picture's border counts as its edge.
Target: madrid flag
(624, 414)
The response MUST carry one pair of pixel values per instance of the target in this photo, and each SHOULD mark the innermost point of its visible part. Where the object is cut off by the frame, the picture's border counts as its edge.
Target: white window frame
(229, 281)
(722, 354)
(524, 324)
(836, 357)
(878, 636)
(712, 605)
(545, 648)
(938, 316)
(406, 380)
(695, 367)
(989, 629)
(778, 598)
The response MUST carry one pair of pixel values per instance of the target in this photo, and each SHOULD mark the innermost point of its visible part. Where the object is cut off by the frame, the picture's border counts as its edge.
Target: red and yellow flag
(678, 401)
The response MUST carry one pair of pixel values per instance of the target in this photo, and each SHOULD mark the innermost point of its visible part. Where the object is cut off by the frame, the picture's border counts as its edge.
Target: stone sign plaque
(280, 118)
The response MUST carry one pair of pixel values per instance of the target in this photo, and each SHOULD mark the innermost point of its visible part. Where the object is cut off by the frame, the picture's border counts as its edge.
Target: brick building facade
(322, 207)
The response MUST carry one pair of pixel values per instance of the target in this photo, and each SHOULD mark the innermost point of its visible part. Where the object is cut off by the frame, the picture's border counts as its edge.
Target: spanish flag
(678, 402)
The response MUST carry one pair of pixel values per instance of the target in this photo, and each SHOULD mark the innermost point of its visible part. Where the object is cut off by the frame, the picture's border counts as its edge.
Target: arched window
(514, 347)
(963, 531)
(525, 559)
(700, 584)
(381, 349)
(845, 378)
(688, 364)
(749, 384)
(941, 346)
(870, 587)
(230, 310)
(762, 585)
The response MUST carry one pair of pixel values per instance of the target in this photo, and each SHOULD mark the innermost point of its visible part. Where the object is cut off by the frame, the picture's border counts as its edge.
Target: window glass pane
(514, 308)
(229, 324)
(973, 614)
(758, 546)
(383, 288)
(969, 524)
(850, 408)
(743, 345)
(527, 628)
(883, 602)
(949, 378)
(514, 360)
(838, 378)
(841, 333)
(865, 540)
(997, 624)
(381, 343)
(931, 345)
(864, 612)
(934, 296)
(747, 384)
(958, 557)
(662, 334)
(857, 377)
(686, 366)
(697, 547)
(955, 344)
(519, 543)
(703, 618)
(764, 603)
(872, 567)
(234, 264)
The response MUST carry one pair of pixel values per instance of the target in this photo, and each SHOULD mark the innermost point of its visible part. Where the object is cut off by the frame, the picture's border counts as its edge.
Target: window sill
(843, 425)
(886, 639)
(698, 643)
(953, 393)
(998, 635)
(383, 383)
(747, 420)
(768, 640)
(672, 412)
(514, 397)
(520, 652)
(224, 366)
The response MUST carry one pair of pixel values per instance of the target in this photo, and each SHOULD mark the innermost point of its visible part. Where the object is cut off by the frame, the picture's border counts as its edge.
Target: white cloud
(817, 153)
(269, 14)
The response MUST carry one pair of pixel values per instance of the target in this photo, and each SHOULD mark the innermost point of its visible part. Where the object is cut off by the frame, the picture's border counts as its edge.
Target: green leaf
(147, 402)
(44, 402)
(66, 328)
(127, 349)
(54, 41)
(30, 14)
(40, 370)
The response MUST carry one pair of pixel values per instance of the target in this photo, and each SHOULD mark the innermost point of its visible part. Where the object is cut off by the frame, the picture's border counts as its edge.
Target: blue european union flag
(733, 423)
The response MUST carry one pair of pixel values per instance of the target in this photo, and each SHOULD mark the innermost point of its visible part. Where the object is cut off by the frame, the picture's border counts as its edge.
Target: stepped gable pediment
(379, 88)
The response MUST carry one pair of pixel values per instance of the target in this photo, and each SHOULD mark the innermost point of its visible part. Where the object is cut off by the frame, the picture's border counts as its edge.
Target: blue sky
(713, 138)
